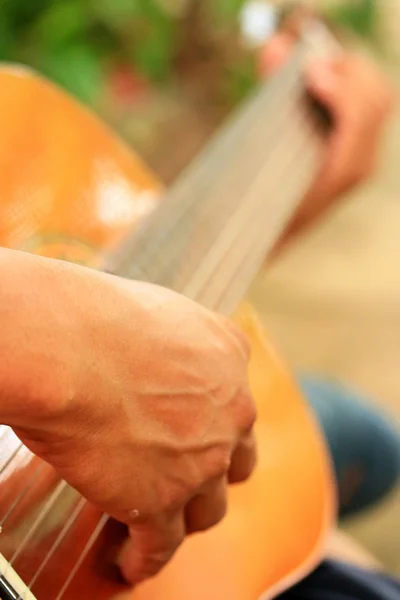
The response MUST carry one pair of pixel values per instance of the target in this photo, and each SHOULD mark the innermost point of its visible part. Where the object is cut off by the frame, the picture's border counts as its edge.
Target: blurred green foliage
(78, 43)
(359, 16)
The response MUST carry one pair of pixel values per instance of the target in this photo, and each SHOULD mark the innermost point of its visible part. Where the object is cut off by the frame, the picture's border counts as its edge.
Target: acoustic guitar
(71, 190)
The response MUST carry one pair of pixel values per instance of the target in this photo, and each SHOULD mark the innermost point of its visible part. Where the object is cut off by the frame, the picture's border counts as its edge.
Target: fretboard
(216, 225)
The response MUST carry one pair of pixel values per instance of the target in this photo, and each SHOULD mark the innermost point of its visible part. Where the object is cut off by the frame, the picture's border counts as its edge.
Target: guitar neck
(213, 230)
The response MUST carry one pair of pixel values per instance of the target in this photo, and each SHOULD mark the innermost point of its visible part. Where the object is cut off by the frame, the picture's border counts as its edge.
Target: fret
(11, 585)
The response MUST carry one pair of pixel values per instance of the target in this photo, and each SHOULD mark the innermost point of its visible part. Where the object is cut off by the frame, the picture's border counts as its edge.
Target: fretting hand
(360, 101)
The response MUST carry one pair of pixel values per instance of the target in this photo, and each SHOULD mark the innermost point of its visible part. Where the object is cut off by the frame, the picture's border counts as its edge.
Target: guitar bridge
(11, 585)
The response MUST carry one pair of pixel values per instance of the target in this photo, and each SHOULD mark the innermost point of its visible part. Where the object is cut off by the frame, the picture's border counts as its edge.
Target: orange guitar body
(70, 190)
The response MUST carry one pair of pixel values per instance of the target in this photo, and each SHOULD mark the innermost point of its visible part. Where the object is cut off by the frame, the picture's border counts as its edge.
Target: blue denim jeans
(339, 581)
(364, 443)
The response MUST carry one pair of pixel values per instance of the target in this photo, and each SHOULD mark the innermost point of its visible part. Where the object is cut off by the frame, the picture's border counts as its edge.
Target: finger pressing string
(244, 460)
(207, 510)
(151, 546)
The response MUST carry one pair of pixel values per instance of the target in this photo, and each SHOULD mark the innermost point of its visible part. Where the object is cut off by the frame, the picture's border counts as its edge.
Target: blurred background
(158, 70)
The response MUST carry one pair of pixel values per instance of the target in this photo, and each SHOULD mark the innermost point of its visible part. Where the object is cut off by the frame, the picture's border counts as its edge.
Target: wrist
(35, 371)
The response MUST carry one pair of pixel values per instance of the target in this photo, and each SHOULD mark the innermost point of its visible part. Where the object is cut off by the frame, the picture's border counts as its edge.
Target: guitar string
(23, 493)
(249, 251)
(182, 190)
(200, 228)
(99, 529)
(58, 491)
(32, 530)
(241, 223)
(60, 595)
(223, 145)
(189, 279)
(318, 40)
(28, 485)
(59, 540)
(226, 227)
(8, 432)
(172, 210)
(5, 431)
(154, 262)
(84, 553)
(49, 504)
(270, 226)
(92, 540)
(225, 244)
(272, 221)
(226, 304)
(12, 458)
(76, 514)
(261, 160)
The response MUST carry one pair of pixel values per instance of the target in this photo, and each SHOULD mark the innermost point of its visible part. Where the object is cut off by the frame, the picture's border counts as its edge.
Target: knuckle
(218, 464)
(170, 502)
(170, 498)
(247, 412)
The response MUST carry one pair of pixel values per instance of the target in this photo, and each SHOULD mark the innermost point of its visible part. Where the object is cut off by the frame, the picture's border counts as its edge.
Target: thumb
(151, 547)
